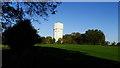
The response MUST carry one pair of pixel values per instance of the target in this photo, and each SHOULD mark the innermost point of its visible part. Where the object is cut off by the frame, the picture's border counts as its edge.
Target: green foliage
(76, 37)
(4, 47)
(53, 40)
(91, 37)
(67, 39)
(107, 43)
(95, 37)
(60, 41)
(48, 40)
(43, 40)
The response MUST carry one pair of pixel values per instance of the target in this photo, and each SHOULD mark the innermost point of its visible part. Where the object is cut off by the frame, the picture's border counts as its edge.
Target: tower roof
(58, 22)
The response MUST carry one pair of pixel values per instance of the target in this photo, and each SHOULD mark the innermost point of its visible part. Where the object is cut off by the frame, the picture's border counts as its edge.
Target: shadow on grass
(47, 56)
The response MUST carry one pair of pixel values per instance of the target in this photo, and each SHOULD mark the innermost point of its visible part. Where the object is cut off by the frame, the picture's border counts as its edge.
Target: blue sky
(81, 16)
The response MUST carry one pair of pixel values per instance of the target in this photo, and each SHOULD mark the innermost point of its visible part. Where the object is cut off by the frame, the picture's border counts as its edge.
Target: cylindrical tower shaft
(58, 31)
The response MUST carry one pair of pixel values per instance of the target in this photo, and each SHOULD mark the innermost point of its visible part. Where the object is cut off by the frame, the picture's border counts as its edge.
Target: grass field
(104, 52)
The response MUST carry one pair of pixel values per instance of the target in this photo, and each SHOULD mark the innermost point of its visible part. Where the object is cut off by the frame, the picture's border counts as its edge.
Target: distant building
(58, 31)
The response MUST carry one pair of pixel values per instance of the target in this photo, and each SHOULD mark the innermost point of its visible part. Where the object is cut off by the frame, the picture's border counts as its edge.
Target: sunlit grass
(4, 47)
(105, 52)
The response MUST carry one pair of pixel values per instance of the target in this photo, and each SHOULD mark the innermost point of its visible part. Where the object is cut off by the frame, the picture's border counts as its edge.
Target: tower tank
(58, 31)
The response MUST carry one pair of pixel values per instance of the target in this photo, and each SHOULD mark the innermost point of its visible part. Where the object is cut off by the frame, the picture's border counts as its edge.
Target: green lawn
(105, 52)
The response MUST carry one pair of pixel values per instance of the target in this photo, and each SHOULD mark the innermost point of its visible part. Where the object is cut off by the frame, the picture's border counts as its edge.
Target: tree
(16, 11)
(107, 43)
(83, 39)
(95, 37)
(91, 37)
(60, 41)
(21, 35)
(43, 40)
(67, 39)
(49, 40)
(53, 40)
(76, 37)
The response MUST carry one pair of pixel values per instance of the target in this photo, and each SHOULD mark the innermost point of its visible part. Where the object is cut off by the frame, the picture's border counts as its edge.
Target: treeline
(91, 37)
(47, 40)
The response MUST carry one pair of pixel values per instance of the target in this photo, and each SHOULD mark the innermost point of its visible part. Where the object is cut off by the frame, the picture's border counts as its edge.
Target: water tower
(58, 31)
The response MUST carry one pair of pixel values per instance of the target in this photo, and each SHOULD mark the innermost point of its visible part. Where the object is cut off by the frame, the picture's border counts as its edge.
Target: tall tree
(20, 38)
(95, 37)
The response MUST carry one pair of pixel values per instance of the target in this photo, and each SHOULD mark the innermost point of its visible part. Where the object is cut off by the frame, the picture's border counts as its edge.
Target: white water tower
(58, 31)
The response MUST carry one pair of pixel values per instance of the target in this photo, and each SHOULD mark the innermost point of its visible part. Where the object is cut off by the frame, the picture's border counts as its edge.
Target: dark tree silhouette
(15, 11)
(21, 35)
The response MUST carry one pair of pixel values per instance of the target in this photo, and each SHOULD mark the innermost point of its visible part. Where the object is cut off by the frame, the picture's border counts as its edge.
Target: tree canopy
(16, 11)
(21, 35)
